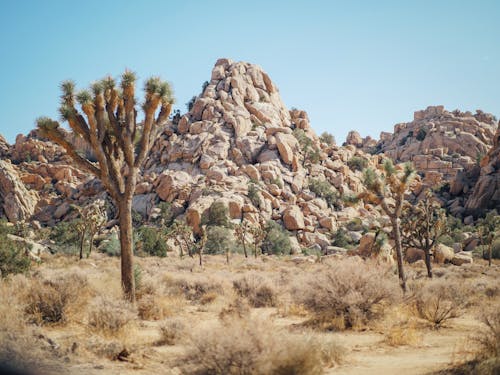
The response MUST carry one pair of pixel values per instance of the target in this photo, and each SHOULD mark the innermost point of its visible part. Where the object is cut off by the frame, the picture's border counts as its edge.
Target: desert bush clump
(357, 163)
(55, 301)
(109, 317)
(13, 258)
(195, 288)
(258, 291)
(438, 301)
(324, 189)
(347, 294)
(217, 215)
(276, 240)
(111, 246)
(149, 241)
(219, 240)
(488, 339)
(245, 347)
(171, 331)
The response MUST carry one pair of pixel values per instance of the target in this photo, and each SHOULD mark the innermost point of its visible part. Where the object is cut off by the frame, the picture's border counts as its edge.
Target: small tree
(217, 215)
(388, 190)
(327, 138)
(422, 225)
(241, 231)
(219, 240)
(258, 235)
(92, 219)
(489, 230)
(276, 240)
(111, 129)
(181, 234)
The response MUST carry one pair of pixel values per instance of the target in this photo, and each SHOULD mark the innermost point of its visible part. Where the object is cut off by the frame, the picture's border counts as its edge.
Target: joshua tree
(422, 225)
(92, 218)
(489, 230)
(388, 190)
(181, 234)
(241, 231)
(258, 235)
(111, 129)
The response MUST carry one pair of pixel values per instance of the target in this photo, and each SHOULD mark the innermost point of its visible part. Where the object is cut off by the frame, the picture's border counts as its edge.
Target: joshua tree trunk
(490, 252)
(399, 253)
(428, 263)
(82, 242)
(127, 251)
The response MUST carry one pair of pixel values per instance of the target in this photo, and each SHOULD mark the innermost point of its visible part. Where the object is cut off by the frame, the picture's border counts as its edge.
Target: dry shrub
(108, 317)
(171, 331)
(402, 335)
(256, 289)
(152, 307)
(55, 301)
(347, 294)
(195, 288)
(236, 309)
(488, 338)
(438, 301)
(246, 347)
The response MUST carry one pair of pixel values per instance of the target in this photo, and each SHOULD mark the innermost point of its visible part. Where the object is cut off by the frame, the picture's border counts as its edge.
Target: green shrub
(66, 236)
(12, 257)
(253, 194)
(276, 240)
(112, 246)
(357, 163)
(149, 241)
(219, 240)
(324, 190)
(327, 138)
(217, 215)
(421, 134)
(446, 240)
(310, 151)
(355, 225)
(341, 239)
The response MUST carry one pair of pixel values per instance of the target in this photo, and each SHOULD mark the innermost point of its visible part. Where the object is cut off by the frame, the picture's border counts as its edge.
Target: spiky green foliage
(108, 83)
(46, 124)
(68, 92)
(128, 78)
(97, 88)
(84, 97)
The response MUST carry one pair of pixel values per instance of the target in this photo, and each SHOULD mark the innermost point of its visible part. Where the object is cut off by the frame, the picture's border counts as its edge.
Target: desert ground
(270, 314)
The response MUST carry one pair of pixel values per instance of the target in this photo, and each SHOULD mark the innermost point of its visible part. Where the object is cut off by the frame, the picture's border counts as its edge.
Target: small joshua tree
(111, 129)
(422, 225)
(241, 231)
(92, 218)
(388, 190)
(181, 234)
(258, 235)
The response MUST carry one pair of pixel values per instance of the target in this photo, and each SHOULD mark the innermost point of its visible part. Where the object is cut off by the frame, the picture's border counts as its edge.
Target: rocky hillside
(486, 192)
(441, 144)
(238, 144)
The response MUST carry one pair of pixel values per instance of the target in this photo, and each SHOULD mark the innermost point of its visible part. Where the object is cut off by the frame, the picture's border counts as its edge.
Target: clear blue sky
(362, 65)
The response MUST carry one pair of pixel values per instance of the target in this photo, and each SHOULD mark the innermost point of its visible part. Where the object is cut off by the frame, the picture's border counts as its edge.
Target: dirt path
(367, 354)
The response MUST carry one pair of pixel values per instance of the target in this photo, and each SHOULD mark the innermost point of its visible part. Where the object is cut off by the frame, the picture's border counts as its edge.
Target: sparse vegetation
(357, 163)
(325, 190)
(276, 240)
(347, 294)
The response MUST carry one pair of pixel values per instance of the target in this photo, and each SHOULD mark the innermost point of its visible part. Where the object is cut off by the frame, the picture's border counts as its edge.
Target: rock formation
(441, 144)
(486, 192)
(17, 202)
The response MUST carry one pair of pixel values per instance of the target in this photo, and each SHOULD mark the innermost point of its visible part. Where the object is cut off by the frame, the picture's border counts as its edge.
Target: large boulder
(443, 254)
(18, 203)
(293, 218)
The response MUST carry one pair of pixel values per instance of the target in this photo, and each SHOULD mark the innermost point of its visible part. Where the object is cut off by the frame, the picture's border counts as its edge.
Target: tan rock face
(438, 142)
(17, 202)
(293, 218)
(486, 192)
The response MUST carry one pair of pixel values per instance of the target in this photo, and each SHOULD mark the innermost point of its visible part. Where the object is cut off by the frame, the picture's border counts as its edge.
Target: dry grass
(347, 294)
(110, 318)
(56, 301)
(195, 288)
(152, 307)
(256, 289)
(438, 301)
(488, 338)
(244, 347)
(171, 332)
